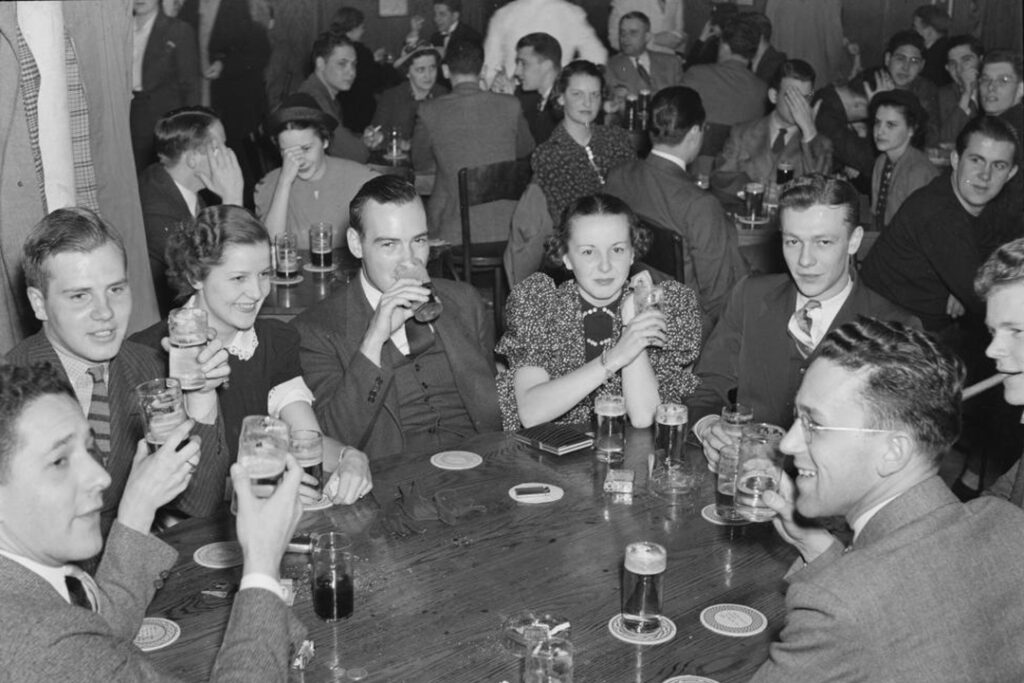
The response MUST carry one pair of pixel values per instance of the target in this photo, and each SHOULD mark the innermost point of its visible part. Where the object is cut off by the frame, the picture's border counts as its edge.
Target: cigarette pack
(619, 481)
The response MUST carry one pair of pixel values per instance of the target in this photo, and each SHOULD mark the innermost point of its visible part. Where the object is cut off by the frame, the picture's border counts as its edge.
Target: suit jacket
(1010, 486)
(770, 63)
(163, 209)
(930, 590)
(730, 93)
(468, 127)
(665, 71)
(48, 639)
(751, 349)
(133, 365)
(397, 107)
(660, 190)
(911, 172)
(542, 121)
(748, 155)
(349, 388)
(170, 79)
(462, 32)
(848, 148)
(344, 142)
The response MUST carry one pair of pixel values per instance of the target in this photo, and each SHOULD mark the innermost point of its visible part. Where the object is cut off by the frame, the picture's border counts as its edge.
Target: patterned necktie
(883, 193)
(99, 413)
(804, 322)
(779, 145)
(420, 336)
(81, 587)
(645, 76)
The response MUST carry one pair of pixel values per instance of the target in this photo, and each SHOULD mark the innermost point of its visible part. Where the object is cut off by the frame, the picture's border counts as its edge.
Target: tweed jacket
(911, 172)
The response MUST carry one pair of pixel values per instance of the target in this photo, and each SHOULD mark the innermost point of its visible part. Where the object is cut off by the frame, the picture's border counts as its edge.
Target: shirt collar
(242, 345)
(643, 59)
(821, 320)
(665, 155)
(858, 524)
(52, 575)
(373, 294)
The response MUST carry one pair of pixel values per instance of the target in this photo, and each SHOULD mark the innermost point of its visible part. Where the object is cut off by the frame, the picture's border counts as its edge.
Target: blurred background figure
(666, 29)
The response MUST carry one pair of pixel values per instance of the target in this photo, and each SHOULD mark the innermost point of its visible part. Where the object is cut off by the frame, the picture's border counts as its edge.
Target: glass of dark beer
(332, 576)
(307, 447)
(753, 200)
(321, 246)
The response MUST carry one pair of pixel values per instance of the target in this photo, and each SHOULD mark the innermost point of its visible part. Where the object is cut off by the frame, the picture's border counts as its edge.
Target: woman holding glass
(576, 159)
(221, 261)
(593, 334)
(902, 168)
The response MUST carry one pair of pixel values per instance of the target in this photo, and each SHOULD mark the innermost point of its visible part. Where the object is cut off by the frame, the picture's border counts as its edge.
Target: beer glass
(286, 251)
(753, 200)
(610, 443)
(162, 409)
(429, 310)
(549, 661)
(262, 447)
(734, 417)
(642, 573)
(648, 297)
(307, 447)
(321, 246)
(332, 576)
(783, 174)
(758, 470)
(673, 476)
(186, 328)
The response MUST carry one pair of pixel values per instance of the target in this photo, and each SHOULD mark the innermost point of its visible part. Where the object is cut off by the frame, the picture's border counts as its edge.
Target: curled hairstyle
(72, 228)
(1004, 267)
(196, 246)
(599, 204)
(818, 189)
(674, 112)
(384, 189)
(909, 107)
(577, 67)
(991, 127)
(182, 130)
(912, 383)
(20, 386)
(543, 45)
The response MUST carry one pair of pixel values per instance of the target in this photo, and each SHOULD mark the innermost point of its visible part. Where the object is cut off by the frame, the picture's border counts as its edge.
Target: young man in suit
(193, 156)
(468, 127)
(381, 379)
(929, 588)
(76, 272)
(538, 61)
(767, 60)
(60, 624)
(772, 324)
(637, 68)
(450, 28)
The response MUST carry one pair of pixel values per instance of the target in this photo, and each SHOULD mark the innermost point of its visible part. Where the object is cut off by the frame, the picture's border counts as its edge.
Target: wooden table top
(429, 607)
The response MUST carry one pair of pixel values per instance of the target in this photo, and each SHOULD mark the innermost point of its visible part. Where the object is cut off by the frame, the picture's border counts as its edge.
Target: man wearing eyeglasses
(929, 588)
(1001, 88)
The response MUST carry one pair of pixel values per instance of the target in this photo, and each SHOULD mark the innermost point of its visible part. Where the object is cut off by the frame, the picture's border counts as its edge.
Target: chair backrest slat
(666, 249)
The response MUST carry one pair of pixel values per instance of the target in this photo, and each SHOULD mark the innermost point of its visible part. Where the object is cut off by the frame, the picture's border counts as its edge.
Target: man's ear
(898, 454)
(773, 96)
(355, 245)
(38, 303)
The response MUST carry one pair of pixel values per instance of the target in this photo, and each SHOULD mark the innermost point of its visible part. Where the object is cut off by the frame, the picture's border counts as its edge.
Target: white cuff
(264, 581)
(285, 393)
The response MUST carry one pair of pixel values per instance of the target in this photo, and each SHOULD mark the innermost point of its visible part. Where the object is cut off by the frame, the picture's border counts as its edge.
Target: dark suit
(344, 143)
(748, 155)
(930, 590)
(771, 62)
(541, 120)
(47, 639)
(848, 148)
(462, 32)
(349, 388)
(660, 190)
(469, 127)
(1010, 486)
(163, 209)
(665, 71)
(170, 79)
(133, 365)
(750, 347)
(730, 93)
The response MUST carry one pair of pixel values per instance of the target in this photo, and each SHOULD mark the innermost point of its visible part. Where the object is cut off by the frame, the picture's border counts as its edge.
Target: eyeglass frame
(811, 428)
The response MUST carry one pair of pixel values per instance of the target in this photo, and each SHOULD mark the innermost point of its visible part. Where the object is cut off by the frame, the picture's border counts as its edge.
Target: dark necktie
(99, 413)
(804, 322)
(645, 76)
(779, 145)
(883, 193)
(78, 584)
(420, 336)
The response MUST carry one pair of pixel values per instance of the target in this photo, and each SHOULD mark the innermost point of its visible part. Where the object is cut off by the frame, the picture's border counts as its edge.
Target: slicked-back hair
(182, 130)
(1005, 57)
(599, 204)
(74, 229)
(454, 6)
(20, 386)
(196, 246)
(543, 45)
(912, 383)
(975, 45)
(818, 189)
(327, 42)
(934, 17)
(901, 38)
(674, 112)
(639, 16)
(1004, 267)
(797, 69)
(991, 127)
(909, 107)
(384, 189)
(464, 58)
(741, 35)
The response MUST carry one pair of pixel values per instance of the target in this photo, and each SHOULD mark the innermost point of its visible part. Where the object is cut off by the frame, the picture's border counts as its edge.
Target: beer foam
(610, 406)
(672, 414)
(645, 558)
(263, 467)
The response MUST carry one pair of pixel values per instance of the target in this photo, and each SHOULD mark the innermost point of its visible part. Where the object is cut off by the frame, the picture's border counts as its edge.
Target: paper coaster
(322, 504)
(664, 633)
(156, 633)
(710, 513)
(220, 555)
(689, 679)
(554, 493)
(733, 620)
(456, 460)
(310, 268)
(287, 281)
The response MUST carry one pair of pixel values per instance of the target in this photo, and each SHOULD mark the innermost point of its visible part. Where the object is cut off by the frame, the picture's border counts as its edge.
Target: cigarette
(984, 385)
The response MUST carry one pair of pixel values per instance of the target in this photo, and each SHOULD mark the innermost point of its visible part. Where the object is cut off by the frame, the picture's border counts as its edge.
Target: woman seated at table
(576, 159)
(221, 260)
(396, 107)
(567, 344)
(902, 168)
(310, 187)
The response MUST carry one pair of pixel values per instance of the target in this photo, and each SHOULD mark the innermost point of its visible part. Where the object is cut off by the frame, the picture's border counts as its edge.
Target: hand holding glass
(430, 310)
(262, 447)
(758, 470)
(734, 417)
(186, 329)
(162, 409)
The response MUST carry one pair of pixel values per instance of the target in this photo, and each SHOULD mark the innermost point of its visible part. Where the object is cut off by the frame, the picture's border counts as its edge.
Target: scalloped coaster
(688, 678)
(155, 633)
(737, 621)
(665, 632)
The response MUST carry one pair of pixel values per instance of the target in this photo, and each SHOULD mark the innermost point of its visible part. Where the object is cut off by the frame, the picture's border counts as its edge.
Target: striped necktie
(81, 587)
(99, 413)
(804, 322)
(883, 192)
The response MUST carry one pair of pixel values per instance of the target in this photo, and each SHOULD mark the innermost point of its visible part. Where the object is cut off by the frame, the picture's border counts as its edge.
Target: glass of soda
(332, 576)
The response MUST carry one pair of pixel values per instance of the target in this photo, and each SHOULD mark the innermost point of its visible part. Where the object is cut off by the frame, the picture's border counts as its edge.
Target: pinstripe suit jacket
(133, 365)
(47, 639)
